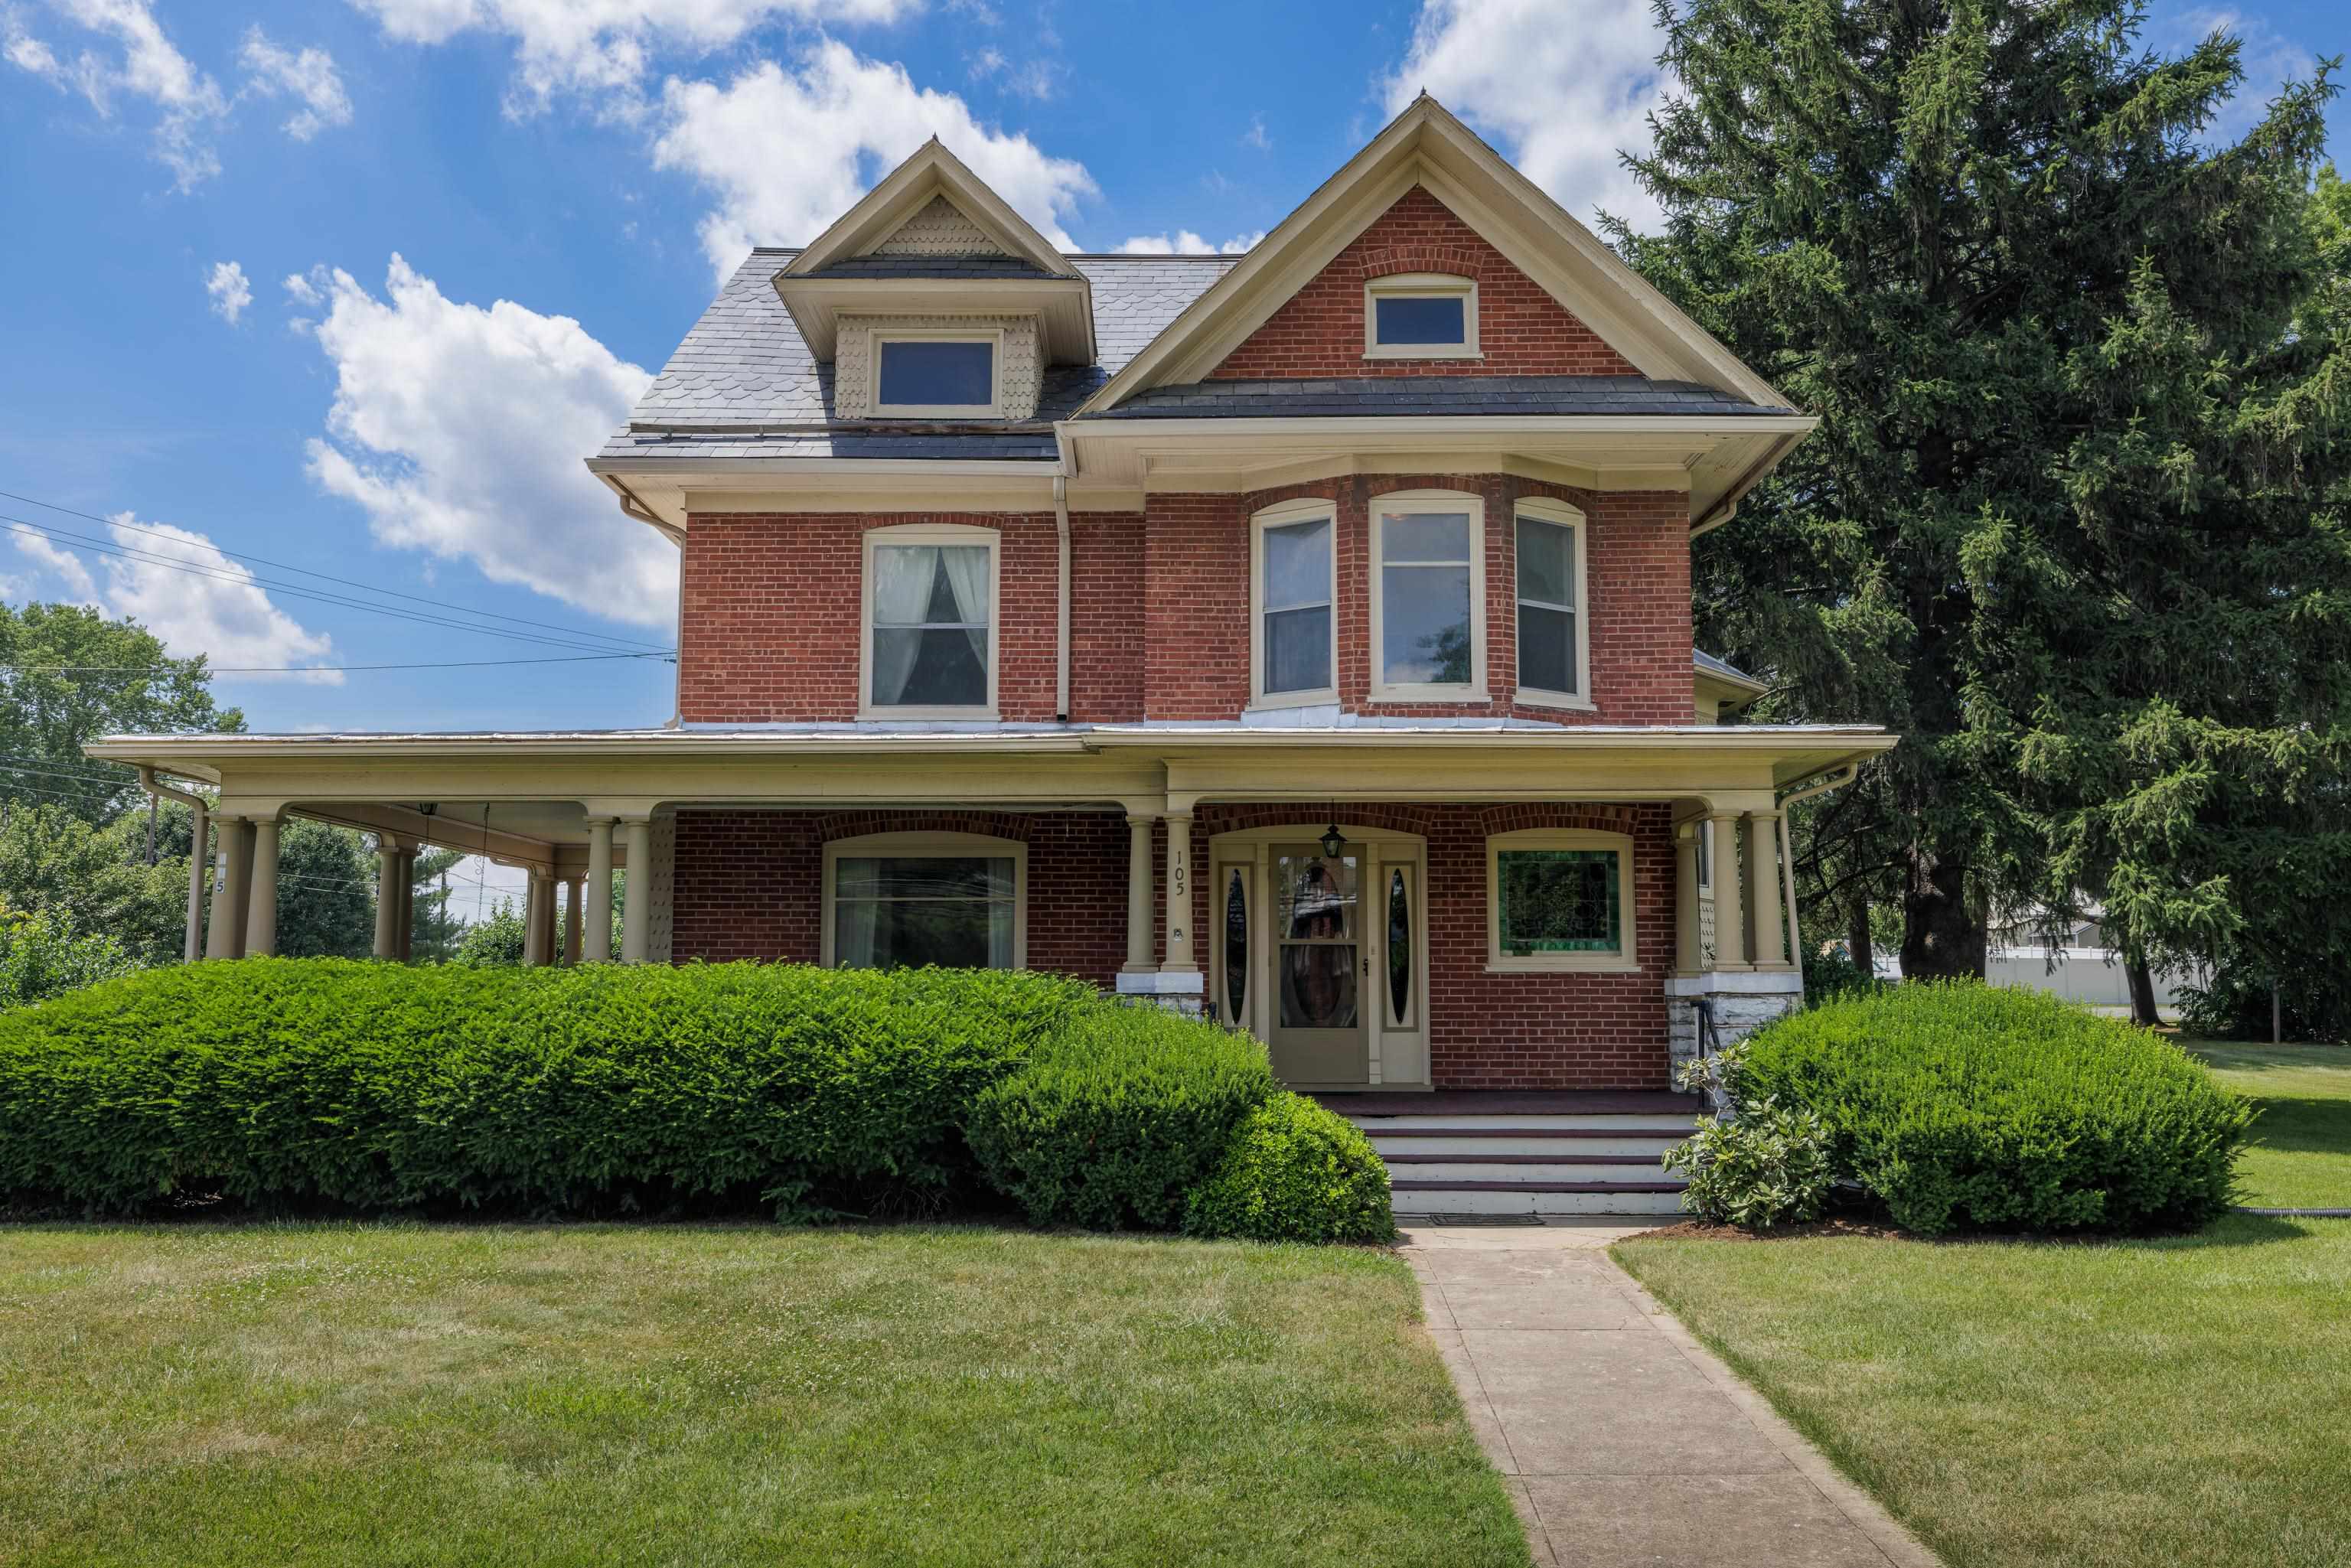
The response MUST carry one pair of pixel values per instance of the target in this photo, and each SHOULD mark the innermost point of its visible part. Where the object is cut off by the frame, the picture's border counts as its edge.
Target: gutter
(1061, 599)
(199, 851)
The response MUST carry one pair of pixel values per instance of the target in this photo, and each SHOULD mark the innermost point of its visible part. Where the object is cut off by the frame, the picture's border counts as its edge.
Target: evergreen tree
(2064, 524)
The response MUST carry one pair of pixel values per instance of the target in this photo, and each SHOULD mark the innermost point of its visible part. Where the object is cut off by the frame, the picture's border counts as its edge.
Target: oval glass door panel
(1236, 935)
(1400, 955)
(1316, 926)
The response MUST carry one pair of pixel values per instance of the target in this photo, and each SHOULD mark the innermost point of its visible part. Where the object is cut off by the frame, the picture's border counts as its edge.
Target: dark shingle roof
(744, 370)
(1404, 395)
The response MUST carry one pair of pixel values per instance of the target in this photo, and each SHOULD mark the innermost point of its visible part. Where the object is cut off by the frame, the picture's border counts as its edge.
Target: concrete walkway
(1626, 1441)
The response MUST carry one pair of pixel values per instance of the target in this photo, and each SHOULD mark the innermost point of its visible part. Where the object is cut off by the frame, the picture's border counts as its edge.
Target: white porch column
(1138, 895)
(1730, 922)
(596, 921)
(1788, 887)
(572, 920)
(261, 894)
(637, 914)
(224, 935)
(1763, 949)
(387, 897)
(1178, 960)
(533, 911)
(1689, 944)
(200, 852)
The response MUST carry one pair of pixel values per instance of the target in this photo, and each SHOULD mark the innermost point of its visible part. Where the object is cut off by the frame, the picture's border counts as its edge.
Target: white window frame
(929, 534)
(1559, 514)
(895, 845)
(1408, 503)
(1421, 285)
(1626, 959)
(993, 336)
(1284, 515)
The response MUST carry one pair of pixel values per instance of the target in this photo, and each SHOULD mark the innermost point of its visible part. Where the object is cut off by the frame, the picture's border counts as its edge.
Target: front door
(1320, 966)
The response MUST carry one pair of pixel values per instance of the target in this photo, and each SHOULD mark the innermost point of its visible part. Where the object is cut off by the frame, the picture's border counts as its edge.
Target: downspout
(1836, 780)
(193, 948)
(1061, 608)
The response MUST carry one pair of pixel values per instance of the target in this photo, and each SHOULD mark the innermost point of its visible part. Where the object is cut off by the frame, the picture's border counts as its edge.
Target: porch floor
(1513, 1103)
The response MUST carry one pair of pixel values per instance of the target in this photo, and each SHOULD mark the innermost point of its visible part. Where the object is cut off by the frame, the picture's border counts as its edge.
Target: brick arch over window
(1522, 331)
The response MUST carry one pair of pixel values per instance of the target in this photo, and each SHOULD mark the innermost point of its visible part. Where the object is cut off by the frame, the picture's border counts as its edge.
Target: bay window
(1554, 640)
(1429, 597)
(1293, 589)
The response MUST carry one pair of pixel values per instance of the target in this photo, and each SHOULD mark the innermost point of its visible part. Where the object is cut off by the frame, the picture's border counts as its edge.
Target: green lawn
(2301, 1157)
(2100, 1405)
(399, 1395)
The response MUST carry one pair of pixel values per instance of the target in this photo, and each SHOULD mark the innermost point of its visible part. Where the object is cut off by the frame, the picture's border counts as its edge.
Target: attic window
(1420, 316)
(934, 375)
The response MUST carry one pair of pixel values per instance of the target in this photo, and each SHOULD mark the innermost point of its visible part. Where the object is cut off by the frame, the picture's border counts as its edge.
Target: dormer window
(1420, 316)
(936, 375)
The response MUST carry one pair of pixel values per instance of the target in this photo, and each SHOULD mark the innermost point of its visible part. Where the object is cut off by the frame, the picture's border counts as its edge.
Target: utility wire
(326, 577)
(320, 669)
(82, 542)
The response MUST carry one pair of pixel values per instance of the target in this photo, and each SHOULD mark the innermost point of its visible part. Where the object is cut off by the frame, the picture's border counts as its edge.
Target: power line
(82, 542)
(320, 669)
(326, 577)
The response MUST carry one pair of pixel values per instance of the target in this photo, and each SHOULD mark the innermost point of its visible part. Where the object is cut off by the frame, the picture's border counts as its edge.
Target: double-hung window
(930, 623)
(1560, 899)
(1293, 586)
(1554, 640)
(1420, 316)
(1428, 594)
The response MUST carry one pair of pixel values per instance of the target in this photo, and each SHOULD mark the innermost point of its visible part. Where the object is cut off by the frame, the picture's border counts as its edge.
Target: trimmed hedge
(1965, 1105)
(381, 1086)
(1111, 1121)
(1295, 1172)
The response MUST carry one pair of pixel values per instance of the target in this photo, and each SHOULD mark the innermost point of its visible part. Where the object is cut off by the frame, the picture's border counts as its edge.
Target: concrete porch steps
(1525, 1154)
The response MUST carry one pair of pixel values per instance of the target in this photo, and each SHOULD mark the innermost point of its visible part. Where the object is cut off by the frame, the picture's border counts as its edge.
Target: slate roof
(1431, 395)
(1708, 665)
(744, 384)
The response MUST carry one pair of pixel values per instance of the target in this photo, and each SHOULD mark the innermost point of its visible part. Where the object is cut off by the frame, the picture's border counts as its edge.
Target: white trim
(892, 845)
(965, 534)
(876, 337)
(1421, 285)
(1409, 503)
(1286, 514)
(1558, 514)
(929, 171)
(1626, 959)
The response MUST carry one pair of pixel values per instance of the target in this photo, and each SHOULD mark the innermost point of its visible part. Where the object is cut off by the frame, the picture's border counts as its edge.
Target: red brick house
(1301, 636)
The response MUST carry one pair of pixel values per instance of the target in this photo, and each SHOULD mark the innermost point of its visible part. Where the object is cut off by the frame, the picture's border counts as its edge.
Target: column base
(1740, 1000)
(1178, 990)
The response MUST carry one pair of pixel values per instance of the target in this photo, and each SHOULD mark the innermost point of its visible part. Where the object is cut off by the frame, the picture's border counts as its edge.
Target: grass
(388, 1394)
(2100, 1405)
(2300, 1153)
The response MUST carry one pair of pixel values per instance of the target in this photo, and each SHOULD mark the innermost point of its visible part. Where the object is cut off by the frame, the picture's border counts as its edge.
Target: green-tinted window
(1559, 901)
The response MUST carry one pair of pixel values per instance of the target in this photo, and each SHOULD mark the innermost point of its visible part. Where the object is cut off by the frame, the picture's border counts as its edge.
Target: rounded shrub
(380, 1086)
(1965, 1105)
(1295, 1172)
(1113, 1119)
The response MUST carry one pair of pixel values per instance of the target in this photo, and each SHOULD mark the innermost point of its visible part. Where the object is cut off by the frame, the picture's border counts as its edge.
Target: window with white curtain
(899, 901)
(1294, 587)
(931, 615)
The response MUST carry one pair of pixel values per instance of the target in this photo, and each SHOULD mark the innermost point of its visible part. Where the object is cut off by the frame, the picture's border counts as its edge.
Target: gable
(1522, 330)
(941, 228)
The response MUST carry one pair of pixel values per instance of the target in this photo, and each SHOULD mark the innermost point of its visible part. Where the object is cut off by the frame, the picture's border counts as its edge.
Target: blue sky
(208, 331)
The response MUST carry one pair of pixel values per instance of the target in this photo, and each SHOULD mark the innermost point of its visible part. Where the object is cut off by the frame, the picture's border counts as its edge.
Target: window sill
(1528, 696)
(1462, 696)
(929, 715)
(1423, 351)
(1278, 702)
(1562, 964)
(941, 411)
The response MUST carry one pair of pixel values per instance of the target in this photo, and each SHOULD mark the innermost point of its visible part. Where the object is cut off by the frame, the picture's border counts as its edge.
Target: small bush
(1111, 1121)
(378, 1086)
(2234, 1004)
(1769, 1166)
(1295, 1172)
(1833, 973)
(1967, 1105)
(43, 954)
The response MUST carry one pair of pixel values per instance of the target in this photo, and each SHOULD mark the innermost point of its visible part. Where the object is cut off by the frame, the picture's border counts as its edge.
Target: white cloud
(460, 432)
(230, 292)
(219, 611)
(310, 78)
(788, 152)
(2268, 56)
(606, 47)
(309, 290)
(1032, 80)
(1561, 99)
(1184, 242)
(144, 64)
(1255, 135)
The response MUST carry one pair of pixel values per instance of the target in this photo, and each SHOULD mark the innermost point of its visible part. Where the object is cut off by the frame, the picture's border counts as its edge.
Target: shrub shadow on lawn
(2229, 1230)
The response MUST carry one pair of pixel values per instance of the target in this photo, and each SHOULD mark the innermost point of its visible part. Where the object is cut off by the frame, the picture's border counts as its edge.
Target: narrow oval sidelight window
(1237, 943)
(1399, 949)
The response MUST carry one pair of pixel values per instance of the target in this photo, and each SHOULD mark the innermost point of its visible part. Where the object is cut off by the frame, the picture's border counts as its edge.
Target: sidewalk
(1624, 1441)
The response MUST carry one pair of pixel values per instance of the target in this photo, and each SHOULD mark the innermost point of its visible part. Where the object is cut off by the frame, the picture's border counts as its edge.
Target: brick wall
(1521, 329)
(774, 602)
(749, 885)
(1197, 600)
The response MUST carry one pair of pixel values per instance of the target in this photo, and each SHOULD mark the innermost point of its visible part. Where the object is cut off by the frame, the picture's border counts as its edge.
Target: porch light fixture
(1333, 842)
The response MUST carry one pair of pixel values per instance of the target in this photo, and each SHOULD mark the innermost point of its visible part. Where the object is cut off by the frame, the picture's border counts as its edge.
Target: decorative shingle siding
(1197, 600)
(1521, 330)
(750, 885)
